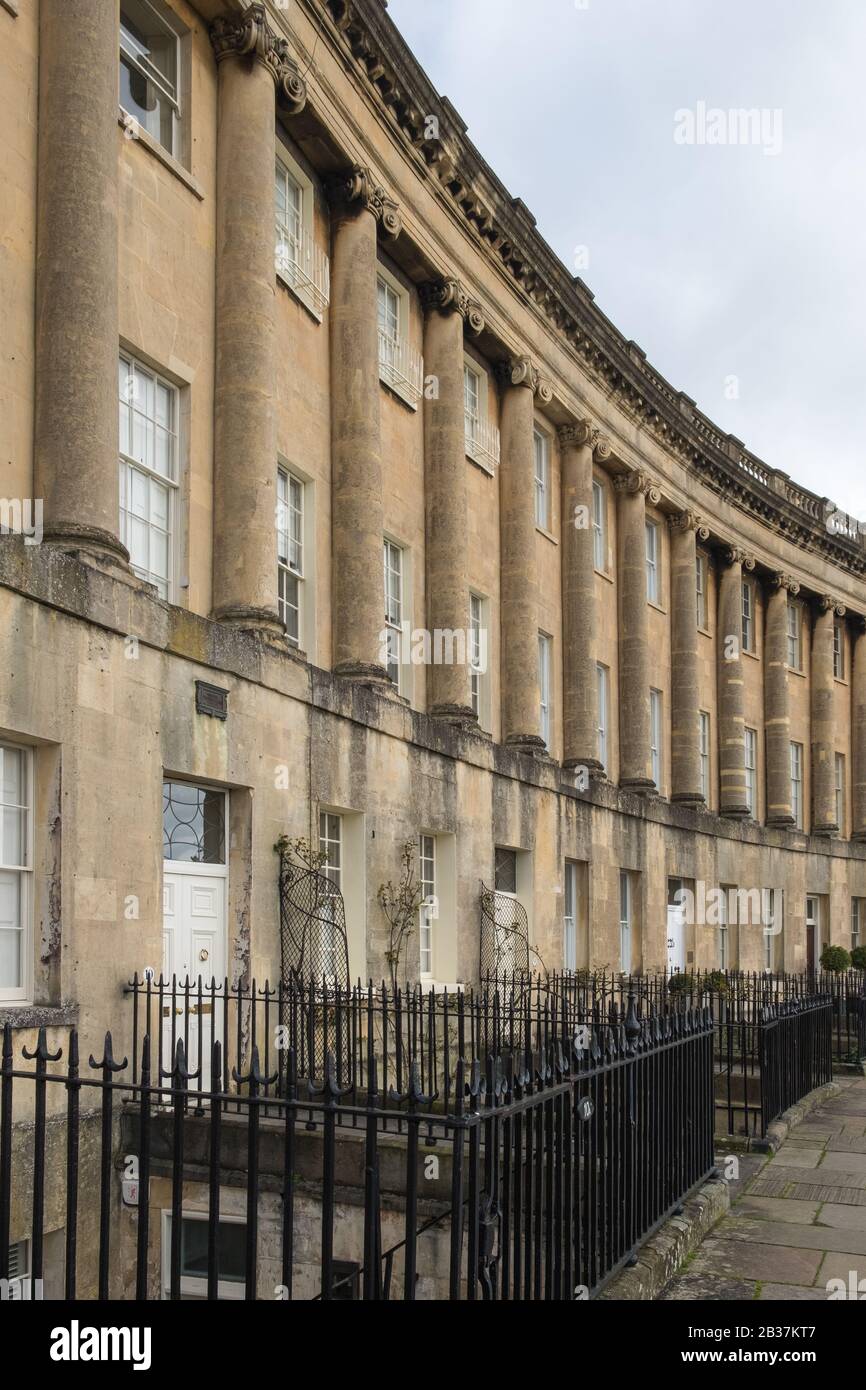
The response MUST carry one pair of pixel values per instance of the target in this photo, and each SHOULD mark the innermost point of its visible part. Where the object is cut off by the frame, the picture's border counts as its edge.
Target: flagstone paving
(797, 1220)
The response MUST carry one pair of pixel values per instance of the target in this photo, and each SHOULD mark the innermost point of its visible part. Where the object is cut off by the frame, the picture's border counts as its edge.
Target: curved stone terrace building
(348, 515)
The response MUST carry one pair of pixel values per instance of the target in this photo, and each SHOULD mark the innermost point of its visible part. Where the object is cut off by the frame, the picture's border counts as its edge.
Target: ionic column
(449, 310)
(858, 730)
(633, 491)
(75, 449)
(519, 572)
(578, 444)
(734, 797)
(777, 705)
(251, 61)
(359, 207)
(685, 720)
(823, 723)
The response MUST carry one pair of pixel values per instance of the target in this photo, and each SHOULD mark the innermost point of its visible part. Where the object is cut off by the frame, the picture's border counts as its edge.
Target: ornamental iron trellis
(504, 935)
(313, 941)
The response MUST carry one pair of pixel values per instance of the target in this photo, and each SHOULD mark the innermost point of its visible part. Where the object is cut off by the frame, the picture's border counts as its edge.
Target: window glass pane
(10, 930)
(231, 1246)
(506, 871)
(193, 824)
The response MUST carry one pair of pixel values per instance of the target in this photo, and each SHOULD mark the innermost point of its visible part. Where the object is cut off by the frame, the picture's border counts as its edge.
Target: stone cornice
(689, 521)
(250, 36)
(522, 371)
(358, 186)
(433, 132)
(449, 295)
(638, 482)
(583, 434)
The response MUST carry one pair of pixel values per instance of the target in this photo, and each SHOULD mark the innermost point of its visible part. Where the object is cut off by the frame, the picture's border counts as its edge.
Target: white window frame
(723, 939)
(840, 788)
(193, 1287)
(541, 463)
(401, 368)
(751, 764)
(795, 636)
(701, 591)
(129, 50)
(482, 439)
(748, 616)
(656, 731)
(24, 877)
(705, 746)
(333, 871)
(395, 617)
(602, 675)
(545, 664)
(291, 536)
(428, 911)
(300, 262)
(626, 919)
(128, 367)
(479, 658)
(599, 526)
(569, 916)
(797, 785)
(838, 651)
(653, 585)
(770, 938)
(855, 923)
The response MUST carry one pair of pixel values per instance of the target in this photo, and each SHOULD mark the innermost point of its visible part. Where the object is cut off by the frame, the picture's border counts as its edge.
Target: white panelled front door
(194, 947)
(676, 940)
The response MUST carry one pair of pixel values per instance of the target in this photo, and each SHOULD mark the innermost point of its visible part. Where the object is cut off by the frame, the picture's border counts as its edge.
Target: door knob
(203, 954)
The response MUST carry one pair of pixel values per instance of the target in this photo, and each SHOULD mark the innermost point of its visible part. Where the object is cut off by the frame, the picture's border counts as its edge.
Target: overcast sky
(742, 274)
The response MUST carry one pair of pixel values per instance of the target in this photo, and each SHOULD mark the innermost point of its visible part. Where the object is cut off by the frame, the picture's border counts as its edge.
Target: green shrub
(836, 959)
(681, 984)
(858, 958)
(716, 982)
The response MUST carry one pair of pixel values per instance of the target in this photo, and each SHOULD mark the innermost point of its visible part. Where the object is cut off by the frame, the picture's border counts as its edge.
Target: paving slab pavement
(797, 1220)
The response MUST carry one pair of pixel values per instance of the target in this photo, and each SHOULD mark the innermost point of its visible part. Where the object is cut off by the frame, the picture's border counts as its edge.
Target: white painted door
(194, 948)
(676, 939)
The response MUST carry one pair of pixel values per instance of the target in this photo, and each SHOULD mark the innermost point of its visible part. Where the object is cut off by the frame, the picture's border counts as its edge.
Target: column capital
(785, 581)
(827, 604)
(449, 295)
(733, 555)
(583, 434)
(359, 186)
(637, 482)
(689, 521)
(522, 371)
(249, 35)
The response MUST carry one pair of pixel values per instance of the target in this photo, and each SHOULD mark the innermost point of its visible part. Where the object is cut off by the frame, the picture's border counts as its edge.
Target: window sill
(705, 632)
(485, 467)
(20, 1015)
(168, 161)
(403, 395)
(792, 671)
(304, 301)
(603, 574)
(651, 603)
(548, 535)
(753, 655)
(11, 6)
(840, 680)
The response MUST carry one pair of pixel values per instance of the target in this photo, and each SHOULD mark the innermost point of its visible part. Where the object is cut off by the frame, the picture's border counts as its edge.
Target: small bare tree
(401, 904)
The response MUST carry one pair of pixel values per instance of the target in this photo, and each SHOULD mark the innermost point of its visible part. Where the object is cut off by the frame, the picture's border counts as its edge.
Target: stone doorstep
(664, 1253)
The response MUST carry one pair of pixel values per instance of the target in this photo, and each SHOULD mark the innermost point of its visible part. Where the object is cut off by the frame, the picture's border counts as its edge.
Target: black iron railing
(555, 1164)
(508, 1014)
